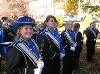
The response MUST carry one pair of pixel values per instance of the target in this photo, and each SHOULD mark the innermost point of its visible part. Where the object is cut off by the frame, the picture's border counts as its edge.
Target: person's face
(92, 26)
(71, 26)
(26, 31)
(51, 23)
(67, 26)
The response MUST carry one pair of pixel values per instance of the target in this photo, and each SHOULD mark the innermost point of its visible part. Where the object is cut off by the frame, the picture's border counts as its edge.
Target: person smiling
(49, 42)
(23, 54)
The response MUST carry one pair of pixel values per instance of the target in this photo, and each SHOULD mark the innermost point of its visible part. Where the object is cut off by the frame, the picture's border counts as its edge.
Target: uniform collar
(20, 39)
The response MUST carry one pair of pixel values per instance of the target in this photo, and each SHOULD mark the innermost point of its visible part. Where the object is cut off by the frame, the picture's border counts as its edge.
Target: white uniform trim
(24, 49)
(93, 32)
(69, 38)
(53, 39)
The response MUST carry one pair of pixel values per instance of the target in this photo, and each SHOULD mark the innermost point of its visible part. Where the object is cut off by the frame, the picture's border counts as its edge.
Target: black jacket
(17, 61)
(66, 44)
(47, 46)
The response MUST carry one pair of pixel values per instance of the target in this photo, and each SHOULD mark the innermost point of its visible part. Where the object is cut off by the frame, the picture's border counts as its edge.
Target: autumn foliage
(71, 6)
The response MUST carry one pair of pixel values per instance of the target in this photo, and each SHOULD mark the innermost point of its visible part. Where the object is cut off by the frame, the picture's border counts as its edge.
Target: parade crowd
(43, 50)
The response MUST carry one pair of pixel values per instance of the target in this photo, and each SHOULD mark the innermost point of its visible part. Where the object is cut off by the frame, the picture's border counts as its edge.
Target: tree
(56, 0)
(71, 5)
(18, 7)
(87, 7)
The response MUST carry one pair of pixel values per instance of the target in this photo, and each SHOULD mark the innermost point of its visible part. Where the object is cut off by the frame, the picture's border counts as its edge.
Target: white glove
(94, 39)
(61, 55)
(40, 65)
(0, 55)
(75, 44)
(72, 48)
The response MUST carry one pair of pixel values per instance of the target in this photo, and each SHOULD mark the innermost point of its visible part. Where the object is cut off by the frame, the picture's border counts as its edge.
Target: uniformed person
(1, 38)
(49, 42)
(79, 46)
(90, 42)
(68, 40)
(95, 29)
(23, 53)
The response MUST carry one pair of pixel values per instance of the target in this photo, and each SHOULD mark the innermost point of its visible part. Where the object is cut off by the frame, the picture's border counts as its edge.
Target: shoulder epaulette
(42, 32)
(13, 44)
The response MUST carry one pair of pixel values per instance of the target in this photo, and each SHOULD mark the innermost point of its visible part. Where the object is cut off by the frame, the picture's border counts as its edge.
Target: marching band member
(68, 41)
(90, 42)
(79, 41)
(95, 29)
(49, 41)
(23, 53)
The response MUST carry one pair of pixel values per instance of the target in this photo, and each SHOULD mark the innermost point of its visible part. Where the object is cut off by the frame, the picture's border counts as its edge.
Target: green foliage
(87, 7)
(98, 15)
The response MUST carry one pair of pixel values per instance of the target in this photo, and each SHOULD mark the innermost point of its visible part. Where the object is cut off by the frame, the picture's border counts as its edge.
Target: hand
(72, 48)
(94, 39)
(75, 44)
(40, 64)
(61, 55)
